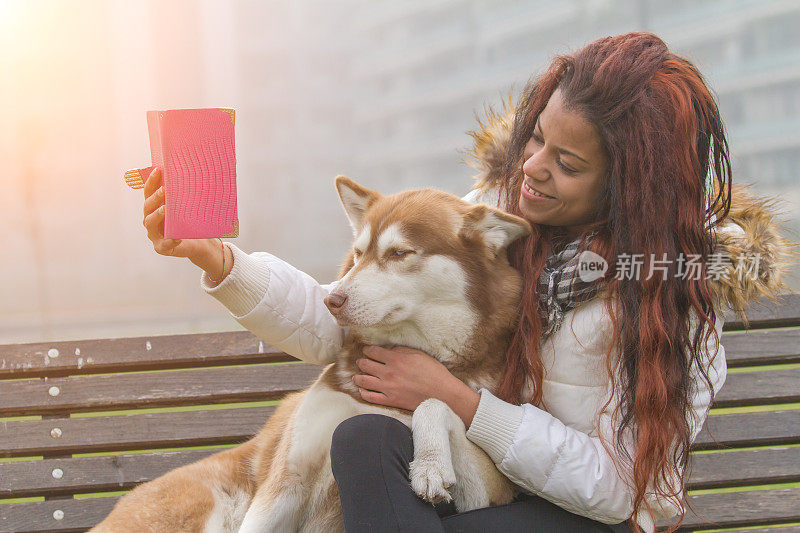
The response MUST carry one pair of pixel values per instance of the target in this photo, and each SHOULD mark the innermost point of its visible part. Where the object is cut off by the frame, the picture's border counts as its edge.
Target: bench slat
(761, 347)
(154, 352)
(750, 429)
(35, 517)
(90, 474)
(270, 382)
(122, 472)
(93, 356)
(131, 432)
(725, 510)
(763, 313)
(777, 529)
(761, 387)
(735, 509)
(746, 467)
(717, 510)
(156, 389)
(225, 426)
(790, 529)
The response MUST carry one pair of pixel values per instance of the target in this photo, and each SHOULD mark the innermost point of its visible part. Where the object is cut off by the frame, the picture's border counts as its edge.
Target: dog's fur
(452, 294)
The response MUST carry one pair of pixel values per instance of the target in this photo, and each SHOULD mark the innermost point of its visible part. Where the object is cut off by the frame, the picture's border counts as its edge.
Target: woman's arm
(280, 304)
(538, 452)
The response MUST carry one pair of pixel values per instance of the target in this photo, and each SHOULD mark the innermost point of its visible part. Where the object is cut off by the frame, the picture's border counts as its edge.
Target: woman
(610, 151)
(608, 380)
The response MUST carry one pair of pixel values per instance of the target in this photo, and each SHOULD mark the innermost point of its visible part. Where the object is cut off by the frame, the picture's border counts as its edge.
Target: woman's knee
(367, 437)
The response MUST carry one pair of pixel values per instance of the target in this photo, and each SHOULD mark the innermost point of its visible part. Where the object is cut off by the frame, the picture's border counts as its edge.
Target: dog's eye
(402, 253)
(356, 254)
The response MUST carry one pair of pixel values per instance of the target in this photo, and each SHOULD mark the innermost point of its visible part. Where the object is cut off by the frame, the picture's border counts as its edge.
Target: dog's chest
(317, 416)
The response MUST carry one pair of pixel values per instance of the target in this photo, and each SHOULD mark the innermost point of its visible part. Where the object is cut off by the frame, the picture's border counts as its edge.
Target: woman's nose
(533, 168)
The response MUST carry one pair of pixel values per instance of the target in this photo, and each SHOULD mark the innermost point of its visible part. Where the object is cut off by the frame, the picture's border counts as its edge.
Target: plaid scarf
(560, 287)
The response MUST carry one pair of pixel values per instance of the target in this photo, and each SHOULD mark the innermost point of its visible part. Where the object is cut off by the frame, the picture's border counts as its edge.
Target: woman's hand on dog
(404, 377)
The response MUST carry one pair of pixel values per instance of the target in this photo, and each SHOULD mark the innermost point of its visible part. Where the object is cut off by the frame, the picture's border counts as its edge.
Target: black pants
(370, 456)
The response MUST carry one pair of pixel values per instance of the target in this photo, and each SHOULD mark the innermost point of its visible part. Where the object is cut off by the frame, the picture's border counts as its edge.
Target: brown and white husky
(427, 270)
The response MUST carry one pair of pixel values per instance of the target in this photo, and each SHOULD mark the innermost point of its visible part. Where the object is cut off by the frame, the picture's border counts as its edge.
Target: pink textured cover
(196, 152)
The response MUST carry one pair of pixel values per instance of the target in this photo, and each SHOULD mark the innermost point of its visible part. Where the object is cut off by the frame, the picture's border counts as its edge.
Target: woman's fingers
(154, 201)
(154, 211)
(366, 381)
(373, 397)
(154, 223)
(165, 246)
(370, 367)
(152, 182)
(378, 353)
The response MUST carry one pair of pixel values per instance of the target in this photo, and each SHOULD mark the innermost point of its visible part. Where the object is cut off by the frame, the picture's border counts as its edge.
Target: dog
(427, 270)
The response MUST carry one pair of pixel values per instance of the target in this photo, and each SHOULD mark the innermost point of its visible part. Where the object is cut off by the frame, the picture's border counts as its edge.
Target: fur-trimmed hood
(751, 230)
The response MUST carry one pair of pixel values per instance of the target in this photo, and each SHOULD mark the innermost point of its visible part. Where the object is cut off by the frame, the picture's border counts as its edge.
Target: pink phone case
(196, 152)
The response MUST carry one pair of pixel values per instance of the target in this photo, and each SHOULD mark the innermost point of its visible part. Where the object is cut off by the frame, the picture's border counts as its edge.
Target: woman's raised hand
(154, 223)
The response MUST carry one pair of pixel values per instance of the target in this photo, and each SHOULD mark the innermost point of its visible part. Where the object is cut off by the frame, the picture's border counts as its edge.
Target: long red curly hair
(668, 180)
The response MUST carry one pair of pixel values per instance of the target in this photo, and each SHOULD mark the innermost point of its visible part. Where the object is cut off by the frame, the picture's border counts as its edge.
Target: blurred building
(425, 66)
(382, 91)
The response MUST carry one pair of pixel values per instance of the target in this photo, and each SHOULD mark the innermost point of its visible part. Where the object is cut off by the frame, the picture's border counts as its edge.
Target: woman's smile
(532, 194)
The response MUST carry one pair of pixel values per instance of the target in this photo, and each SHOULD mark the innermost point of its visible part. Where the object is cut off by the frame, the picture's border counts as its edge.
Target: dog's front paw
(430, 479)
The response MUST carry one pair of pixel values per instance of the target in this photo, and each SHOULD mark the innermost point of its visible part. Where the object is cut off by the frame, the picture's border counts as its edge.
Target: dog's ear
(498, 228)
(355, 199)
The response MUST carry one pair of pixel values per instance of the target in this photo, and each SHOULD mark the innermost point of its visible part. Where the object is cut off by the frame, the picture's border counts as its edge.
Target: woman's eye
(565, 168)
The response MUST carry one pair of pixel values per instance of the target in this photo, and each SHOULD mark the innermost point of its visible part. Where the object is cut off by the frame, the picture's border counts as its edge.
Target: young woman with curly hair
(617, 148)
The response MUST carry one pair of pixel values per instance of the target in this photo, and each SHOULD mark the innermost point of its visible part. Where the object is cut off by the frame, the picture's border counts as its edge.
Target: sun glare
(8, 8)
(11, 12)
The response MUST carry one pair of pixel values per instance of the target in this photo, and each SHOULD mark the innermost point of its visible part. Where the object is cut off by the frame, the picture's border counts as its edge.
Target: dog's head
(425, 266)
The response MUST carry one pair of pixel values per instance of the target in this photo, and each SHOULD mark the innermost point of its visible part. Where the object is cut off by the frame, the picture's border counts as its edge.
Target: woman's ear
(498, 228)
(355, 200)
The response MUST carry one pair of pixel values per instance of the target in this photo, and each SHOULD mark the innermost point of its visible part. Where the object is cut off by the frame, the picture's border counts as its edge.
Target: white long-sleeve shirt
(556, 454)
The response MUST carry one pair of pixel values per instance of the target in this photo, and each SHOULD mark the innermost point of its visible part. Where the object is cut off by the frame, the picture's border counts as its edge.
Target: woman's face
(564, 160)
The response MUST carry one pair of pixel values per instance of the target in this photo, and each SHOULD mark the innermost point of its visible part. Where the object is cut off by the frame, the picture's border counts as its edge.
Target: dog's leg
(443, 453)
(324, 512)
(278, 502)
(431, 471)
(291, 494)
(478, 482)
(277, 509)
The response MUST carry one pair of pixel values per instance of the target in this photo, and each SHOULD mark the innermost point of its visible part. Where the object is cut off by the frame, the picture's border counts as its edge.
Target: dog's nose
(334, 302)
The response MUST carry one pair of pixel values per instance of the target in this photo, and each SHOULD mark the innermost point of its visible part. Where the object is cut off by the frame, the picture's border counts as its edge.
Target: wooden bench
(61, 424)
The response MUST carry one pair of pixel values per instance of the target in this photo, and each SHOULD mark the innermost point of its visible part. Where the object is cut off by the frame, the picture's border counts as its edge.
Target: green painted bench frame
(67, 429)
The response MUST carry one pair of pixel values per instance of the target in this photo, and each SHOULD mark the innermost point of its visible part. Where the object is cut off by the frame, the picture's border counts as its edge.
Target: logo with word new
(591, 266)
